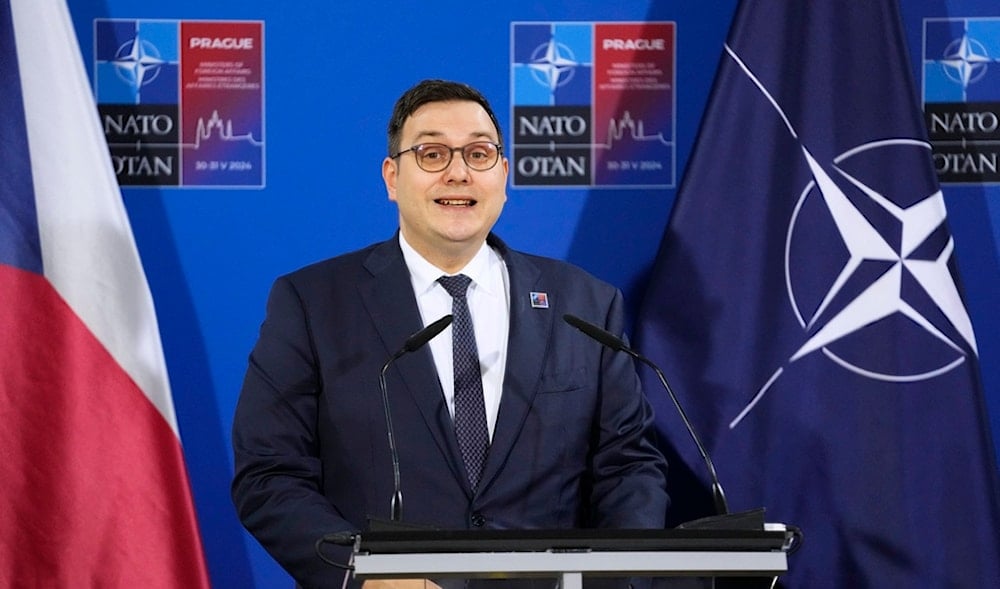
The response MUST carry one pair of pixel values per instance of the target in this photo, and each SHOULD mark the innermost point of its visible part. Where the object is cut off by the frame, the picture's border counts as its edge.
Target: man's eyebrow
(438, 134)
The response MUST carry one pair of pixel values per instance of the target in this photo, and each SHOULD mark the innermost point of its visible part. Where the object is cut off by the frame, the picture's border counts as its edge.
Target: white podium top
(554, 564)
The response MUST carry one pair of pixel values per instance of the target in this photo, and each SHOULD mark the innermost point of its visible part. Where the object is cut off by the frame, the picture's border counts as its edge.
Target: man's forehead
(432, 119)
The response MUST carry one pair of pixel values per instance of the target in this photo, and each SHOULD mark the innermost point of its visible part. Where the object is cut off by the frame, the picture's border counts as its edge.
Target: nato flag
(806, 306)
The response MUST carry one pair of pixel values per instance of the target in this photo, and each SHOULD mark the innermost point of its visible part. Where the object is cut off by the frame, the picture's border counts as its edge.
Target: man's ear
(389, 174)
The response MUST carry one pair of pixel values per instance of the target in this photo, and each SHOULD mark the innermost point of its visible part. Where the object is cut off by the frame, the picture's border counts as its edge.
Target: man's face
(446, 215)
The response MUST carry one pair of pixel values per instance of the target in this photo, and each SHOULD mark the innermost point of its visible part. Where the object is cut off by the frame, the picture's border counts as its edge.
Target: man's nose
(457, 169)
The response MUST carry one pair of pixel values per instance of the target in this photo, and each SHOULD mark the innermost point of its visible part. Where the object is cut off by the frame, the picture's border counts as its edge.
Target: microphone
(412, 344)
(617, 344)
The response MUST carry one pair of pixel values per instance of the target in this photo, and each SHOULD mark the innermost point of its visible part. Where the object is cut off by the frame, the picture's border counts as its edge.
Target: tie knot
(456, 285)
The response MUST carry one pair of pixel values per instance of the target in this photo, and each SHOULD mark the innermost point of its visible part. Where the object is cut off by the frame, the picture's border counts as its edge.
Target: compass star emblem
(894, 274)
(553, 64)
(965, 60)
(137, 62)
(906, 252)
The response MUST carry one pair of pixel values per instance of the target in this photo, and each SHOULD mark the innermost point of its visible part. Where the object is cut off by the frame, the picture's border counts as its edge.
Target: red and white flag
(93, 487)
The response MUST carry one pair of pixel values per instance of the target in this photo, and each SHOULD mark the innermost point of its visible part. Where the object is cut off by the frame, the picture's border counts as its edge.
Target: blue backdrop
(332, 73)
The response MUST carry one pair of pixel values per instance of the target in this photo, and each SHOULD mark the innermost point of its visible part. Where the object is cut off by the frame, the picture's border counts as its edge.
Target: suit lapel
(388, 298)
(526, 351)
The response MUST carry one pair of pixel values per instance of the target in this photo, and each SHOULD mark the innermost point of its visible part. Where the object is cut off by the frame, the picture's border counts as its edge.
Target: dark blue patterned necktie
(470, 409)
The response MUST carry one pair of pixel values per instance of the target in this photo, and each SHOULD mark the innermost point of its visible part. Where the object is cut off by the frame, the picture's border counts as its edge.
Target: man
(565, 428)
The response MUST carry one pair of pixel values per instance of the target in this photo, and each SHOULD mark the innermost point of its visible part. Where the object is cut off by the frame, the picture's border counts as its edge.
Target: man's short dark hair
(433, 91)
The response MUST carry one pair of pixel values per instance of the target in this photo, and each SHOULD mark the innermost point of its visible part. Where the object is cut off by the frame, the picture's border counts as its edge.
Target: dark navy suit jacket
(573, 440)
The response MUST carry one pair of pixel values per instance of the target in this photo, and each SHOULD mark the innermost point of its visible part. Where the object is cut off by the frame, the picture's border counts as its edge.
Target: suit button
(478, 520)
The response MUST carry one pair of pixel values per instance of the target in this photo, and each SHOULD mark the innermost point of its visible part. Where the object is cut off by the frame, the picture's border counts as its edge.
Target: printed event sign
(182, 102)
(593, 104)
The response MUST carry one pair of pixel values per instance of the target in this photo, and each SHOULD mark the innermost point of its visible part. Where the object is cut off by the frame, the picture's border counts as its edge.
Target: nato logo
(136, 61)
(962, 60)
(552, 64)
(961, 93)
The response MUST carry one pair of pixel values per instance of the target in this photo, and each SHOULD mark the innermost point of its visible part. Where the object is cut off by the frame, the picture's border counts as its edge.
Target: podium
(568, 555)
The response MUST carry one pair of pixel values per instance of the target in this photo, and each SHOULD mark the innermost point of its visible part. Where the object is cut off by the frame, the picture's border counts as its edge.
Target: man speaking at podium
(508, 419)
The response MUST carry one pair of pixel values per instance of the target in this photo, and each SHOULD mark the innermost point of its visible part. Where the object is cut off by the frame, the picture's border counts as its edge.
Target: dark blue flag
(806, 307)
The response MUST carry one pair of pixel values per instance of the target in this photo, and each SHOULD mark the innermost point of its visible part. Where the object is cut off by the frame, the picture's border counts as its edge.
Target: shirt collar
(481, 269)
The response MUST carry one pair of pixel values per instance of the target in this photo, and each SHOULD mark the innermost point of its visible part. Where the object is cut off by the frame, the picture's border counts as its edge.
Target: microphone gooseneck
(617, 344)
(412, 344)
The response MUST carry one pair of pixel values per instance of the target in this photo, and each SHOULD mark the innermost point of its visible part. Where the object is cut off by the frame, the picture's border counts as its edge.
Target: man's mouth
(455, 202)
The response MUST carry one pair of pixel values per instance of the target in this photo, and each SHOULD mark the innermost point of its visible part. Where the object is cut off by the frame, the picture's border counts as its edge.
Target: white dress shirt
(489, 306)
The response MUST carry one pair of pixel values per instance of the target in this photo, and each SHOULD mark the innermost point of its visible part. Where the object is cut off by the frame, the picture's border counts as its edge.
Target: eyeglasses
(434, 157)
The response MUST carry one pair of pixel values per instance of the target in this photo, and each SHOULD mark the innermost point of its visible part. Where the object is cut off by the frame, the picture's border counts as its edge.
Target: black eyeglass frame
(451, 155)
